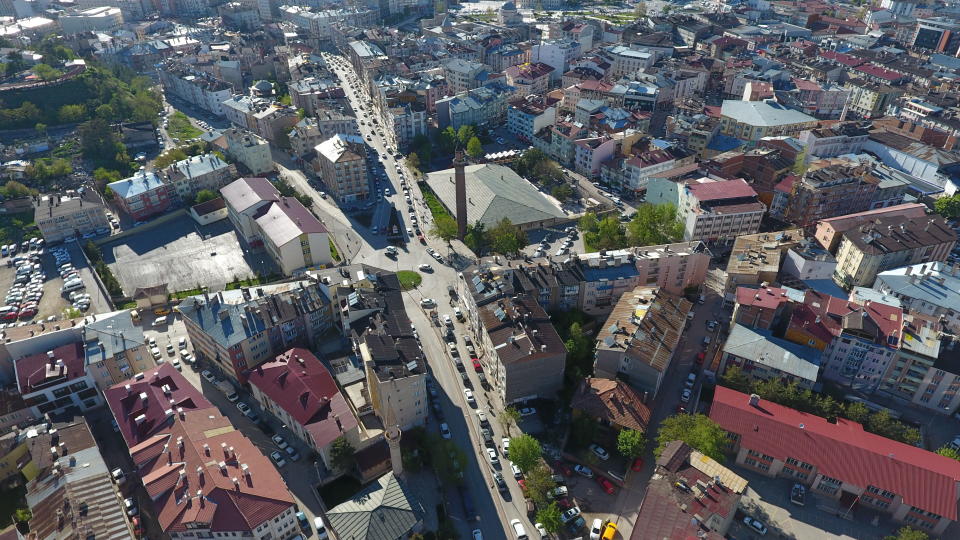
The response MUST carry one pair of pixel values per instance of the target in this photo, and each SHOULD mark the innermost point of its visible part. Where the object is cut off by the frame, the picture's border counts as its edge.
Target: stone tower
(460, 181)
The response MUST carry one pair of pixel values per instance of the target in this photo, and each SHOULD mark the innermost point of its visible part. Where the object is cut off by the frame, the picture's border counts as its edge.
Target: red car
(562, 467)
(606, 485)
(476, 365)
(9, 316)
(523, 484)
(637, 464)
(700, 356)
(27, 313)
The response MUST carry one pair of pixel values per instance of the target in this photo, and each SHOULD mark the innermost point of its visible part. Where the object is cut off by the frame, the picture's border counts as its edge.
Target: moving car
(445, 431)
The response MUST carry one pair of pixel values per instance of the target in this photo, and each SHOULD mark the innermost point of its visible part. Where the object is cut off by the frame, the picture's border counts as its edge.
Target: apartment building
(891, 242)
(221, 484)
(762, 307)
(251, 150)
(713, 210)
(97, 19)
(638, 341)
(463, 75)
(477, 107)
(525, 356)
(753, 120)
(829, 190)
(406, 121)
(266, 118)
(927, 288)
(238, 330)
(838, 459)
(529, 78)
(925, 371)
(298, 390)
(829, 231)
(312, 93)
(556, 53)
(340, 162)
(52, 381)
(757, 258)
(762, 357)
(245, 199)
(196, 87)
(58, 216)
(196, 173)
(143, 195)
(590, 152)
(527, 116)
(115, 349)
(672, 267)
(870, 99)
(844, 138)
(627, 62)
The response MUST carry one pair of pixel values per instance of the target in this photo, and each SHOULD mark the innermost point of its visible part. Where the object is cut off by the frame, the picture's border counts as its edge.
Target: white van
(320, 527)
(73, 285)
(160, 321)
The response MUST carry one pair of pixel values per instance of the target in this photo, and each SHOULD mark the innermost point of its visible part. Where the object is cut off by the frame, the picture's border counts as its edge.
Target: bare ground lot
(183, 255)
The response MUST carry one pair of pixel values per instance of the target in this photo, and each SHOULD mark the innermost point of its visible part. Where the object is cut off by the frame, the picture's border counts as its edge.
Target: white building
(714, 210)
(97, 19)
(929, 288)
(197, 173)
(198, 88)
(557, 54)
(249, 149)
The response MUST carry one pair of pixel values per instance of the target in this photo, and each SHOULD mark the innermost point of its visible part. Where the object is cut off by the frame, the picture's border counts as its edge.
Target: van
(135, 315)
(160, 321)
(72, 285)
(518, 529)
(320, 527)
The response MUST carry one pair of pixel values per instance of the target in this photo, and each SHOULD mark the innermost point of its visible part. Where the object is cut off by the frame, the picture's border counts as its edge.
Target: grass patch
(250, 282)
(15, 228)
(132, 304)
(179, 295)
(68, 149)
(436, 207)
(10, 501)
(181, 128)
(338, 491)
(333, 251)
(409, 279)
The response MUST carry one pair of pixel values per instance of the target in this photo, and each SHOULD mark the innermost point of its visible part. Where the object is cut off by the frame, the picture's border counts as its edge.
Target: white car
(428, 302)
(570, 515)
(528, 411)
(445, 431)
(279, 441)
(492, 457)
(517, 473)
(541, 530)
(595, 529)
(505, 443)
(599, 452)
(756, 525)
(467, 393)
(685, 395)
(425, 267)
(243, 407)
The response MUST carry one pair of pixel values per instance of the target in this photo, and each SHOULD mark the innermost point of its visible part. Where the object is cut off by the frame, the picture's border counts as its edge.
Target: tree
(948, 207)
(341, 454)
(102, 177)
(562, 192)
(508, 418)
(734, 378)
(444, 227)
(465, 133)
(447, 140)
(654, 224)
(170, 157)
(630, 443)
(696, 430)
(474, 148)
(539, 482)
(204, 195)
(46, 73)
(858, 412)
(947, 451)
(15, 190)
(524, 452)
(609, 235)
(589, 222)
(550, 517)
(800, 163)
(447, 459)
(506, 238)
(22, 515)
(582, 430)
(413, 162)
(477, 238)
(41, 129)
(908, 533)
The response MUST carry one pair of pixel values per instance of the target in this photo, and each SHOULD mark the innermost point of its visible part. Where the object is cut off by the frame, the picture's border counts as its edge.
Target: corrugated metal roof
(383, 510)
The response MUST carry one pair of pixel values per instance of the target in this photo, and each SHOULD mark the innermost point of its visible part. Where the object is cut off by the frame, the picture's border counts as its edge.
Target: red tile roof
(845, 59)
(724, 189)
(826, 316)
(165, 389)
(879, 72)
(843, 451)
(40, 370)
(301, 385)
(612, 401)
(766, 298)
(786, 185)
(804, 84)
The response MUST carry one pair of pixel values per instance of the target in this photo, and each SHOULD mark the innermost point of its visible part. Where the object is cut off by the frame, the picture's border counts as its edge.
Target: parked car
(583, 471)
(279, 441)
(277, 458)
(599, 452)
(606, 485)
(755, 524)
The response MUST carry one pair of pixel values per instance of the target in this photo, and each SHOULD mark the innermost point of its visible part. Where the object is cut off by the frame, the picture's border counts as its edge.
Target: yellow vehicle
(609, 532)
(160, 311)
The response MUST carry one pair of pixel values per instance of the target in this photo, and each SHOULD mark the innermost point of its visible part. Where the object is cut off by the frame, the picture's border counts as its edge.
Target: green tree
(170, 157)
(204, 195)
(509, 418)
(102, 177)
(477, 238)
(550, 517)
(464, 134)
(949, 452)
(562, 192)
(474, 148)
(46, 73)
(41, 129)
(506, 238)
(447, 140)
(444, 227)
(654, 224)
(413, 162)
(15, 190)
(579, 354)
(696, 430)
(539, 482)
(858, 412)
(22, 515)
(341, 454)
(589, 222)
(908, 533)
(582, 430)
(800, 163)
(948, 207)
(630, 443)
(69, 114)
(524, 451)
(447, 460)
(734, 378)
(609, 235)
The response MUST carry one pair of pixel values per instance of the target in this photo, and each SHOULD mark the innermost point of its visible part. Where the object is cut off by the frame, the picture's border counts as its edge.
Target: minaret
(460, 180)
(392, 434)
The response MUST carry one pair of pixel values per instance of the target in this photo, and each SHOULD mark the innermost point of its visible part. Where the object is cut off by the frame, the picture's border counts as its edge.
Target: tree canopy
(550, 517)
(539, 482)
(654, 224)
(444, 227)
(474, 148)
(696, 430)
(204, 195)
(524, 452)
(341, 454)
(948, 207)
(630, 443)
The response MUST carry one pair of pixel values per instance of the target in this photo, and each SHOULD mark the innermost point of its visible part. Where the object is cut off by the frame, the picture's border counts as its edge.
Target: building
(716, 210)
(611, 403)
(836, 189)
(529, 78)
(57, 381)
(639, 339)
(525, 356)
(340, 162)
(142, 195)
(114, 349)
(757, 258)
(689, 496)
(870, 99)
(71, 493)
(837, 459)
(762, 357)
(477, 107)
(59, 217)
(311, 94)
(809, 262)
(844, 138)
(387, 508)
(937, 34)
(925, 372)
(591, 152)
(556, 53)
(97, 19)
(932, 165)
(672, 267)
(212, 480)
(238, 330)
(496, 192)
(463, 75)
(891, 242)
(931, 289)
(249, 149)
(292, 236)
(300, 392)
(830, 231)
(754, 120)
(197, 173)
(196, 87)
(761, 307)
(406, 121)
(527, 116)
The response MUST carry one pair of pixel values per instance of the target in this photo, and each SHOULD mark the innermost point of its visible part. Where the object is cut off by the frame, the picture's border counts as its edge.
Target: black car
(498, 478)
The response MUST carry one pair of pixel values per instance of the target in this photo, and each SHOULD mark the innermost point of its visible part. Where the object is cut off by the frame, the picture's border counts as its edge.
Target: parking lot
(184, 256)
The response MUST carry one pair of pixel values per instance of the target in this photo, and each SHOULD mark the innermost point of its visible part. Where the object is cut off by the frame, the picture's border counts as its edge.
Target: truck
(227, 389)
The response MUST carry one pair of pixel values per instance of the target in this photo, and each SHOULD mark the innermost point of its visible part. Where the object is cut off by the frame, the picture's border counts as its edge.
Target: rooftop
(286, 220)
(892, 234)
(646, 324)
(611, 401)
(138, 184)
(52, 368)
(243, 193)
(385, 509)
(520, 330)
(759, 346)
(936, 283)
(763, 113)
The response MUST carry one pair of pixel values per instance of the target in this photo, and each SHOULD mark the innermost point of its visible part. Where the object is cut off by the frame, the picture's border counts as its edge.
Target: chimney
(754, 400)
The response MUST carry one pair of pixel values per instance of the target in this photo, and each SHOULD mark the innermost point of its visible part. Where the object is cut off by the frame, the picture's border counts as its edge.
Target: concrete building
(529, 78)
(926, 288)
(590, 152)
(97, 19)
(716, 210)
(58, 217)
(312, 93)
(143, 195)
(830, 231)
(249, 149)
(845, 138)
(196, 173)
(341, 163)
(809, 262)
(115, 349)
(754, 120)
(672, 267)
(756, 258)
(638, 341)
(525, 355)
(763, 307)
(829, 190)
(196, 87)
(527, 116)
(937, 34)
(870, 99)
(53, 381)
(762, 357)
(925, 372)
(482, 106)
(463, 75)
(891, 242)
(556, 53)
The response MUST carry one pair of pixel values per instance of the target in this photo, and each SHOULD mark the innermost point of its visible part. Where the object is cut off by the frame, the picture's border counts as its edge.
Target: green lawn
(333, 251)
(409, 279)
(436, 208)
(183, 294)
(181, 128)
